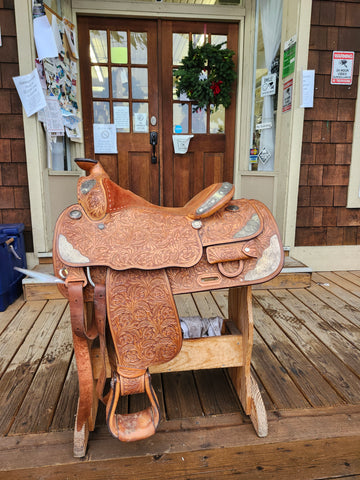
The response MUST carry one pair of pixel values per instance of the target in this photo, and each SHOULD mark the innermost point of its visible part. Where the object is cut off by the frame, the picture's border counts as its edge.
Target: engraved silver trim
(268, 262)
(250, 228)
(87, 185)
(68, 253)
(215, 198)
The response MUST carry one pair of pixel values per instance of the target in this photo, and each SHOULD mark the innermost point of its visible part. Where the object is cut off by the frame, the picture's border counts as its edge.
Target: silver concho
(75, 214)
(196, 224)
(232, 208)
(87, 185)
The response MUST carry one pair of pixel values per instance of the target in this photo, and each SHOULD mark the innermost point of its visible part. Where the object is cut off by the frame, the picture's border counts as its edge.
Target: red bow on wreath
(215, 87)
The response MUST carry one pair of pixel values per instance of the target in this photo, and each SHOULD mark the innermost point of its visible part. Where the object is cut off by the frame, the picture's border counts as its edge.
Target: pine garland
(206, 76)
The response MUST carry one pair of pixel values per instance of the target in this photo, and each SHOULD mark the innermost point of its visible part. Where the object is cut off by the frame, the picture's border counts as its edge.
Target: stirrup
(133, 426)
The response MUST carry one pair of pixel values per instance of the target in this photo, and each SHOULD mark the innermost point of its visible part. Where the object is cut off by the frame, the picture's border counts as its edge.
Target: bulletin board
(58, 76)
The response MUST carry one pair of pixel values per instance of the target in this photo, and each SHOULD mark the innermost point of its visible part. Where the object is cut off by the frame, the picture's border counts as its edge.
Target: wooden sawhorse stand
(232, 350)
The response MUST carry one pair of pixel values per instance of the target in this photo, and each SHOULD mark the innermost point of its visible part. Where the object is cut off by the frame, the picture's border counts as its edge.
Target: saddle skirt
(140, 254)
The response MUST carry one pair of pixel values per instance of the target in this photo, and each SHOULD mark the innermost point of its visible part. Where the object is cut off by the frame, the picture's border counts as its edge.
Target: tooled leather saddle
(127, 258)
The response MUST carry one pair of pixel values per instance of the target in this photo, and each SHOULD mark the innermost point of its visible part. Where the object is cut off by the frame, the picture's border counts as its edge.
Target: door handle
(153, 142)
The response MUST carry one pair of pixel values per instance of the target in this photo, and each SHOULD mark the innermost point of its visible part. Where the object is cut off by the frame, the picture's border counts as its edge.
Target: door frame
(205, 13)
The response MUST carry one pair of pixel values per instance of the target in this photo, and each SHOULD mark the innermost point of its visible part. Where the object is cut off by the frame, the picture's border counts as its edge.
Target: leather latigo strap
(77, 312)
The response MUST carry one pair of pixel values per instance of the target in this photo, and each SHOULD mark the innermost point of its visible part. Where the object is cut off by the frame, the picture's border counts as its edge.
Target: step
(38, 290)
(294, 275)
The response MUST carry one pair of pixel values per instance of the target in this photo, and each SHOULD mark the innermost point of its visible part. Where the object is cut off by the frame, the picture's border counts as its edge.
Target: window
(265, 86)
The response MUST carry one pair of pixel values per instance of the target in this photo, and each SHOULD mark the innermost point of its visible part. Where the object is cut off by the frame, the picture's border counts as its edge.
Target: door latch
(153, 142)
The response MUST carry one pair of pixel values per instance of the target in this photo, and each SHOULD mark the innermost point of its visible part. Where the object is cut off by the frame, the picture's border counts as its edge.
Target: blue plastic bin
(12, 254)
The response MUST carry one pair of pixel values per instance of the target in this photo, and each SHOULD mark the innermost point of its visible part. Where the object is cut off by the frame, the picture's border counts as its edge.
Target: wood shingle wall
(14, 193)
(323, 218)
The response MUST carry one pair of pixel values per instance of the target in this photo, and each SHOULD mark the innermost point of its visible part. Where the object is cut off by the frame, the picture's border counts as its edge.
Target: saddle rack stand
(232, 350)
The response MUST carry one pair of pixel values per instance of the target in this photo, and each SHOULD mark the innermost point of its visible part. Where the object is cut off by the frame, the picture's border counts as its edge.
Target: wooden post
(240, 312)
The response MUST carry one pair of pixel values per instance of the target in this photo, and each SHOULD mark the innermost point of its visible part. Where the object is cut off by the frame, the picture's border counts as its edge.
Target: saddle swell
(98, 195)
(128, 258)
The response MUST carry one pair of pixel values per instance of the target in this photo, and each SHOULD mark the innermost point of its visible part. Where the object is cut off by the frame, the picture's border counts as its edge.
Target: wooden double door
(126, 70)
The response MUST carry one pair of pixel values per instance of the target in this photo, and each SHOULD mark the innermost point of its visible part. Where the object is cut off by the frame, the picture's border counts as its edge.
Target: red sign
(342, 68)
(287, 95)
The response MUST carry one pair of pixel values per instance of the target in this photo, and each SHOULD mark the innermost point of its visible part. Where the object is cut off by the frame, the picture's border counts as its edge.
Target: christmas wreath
(206, 76)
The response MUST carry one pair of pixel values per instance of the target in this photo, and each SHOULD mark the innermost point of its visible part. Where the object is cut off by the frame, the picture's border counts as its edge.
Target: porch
(305, 359)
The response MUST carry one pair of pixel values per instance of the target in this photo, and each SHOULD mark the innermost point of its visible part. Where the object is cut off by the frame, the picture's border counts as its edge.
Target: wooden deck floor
(306, 359)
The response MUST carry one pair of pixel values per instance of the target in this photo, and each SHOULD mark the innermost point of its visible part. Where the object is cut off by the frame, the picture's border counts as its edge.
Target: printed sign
(264, 156)
(307, 88)
(287, 95)
(105, 138)
(268, 85)
(342, 68)
(289, 57)
(263, 126)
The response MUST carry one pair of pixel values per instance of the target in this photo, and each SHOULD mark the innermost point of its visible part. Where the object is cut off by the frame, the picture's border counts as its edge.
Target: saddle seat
(98, 195)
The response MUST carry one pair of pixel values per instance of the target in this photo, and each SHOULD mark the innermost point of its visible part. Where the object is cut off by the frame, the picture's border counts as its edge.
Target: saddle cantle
(127, 258)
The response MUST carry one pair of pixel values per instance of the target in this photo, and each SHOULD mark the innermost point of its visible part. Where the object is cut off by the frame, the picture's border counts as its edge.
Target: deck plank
(314, 387)
(341, 347)
(181, 397)
(350, 276)
(64, 417)
(339, 304)
(330, 319)
(333, 277)
(7, 316)
(277, 382)
(297, 447)
(13, 336)
(185, 305)
(206, 305)
(344, 381)
(221, 298)
(16, 380)
(215, 393)
(37, 410)
(351, 298)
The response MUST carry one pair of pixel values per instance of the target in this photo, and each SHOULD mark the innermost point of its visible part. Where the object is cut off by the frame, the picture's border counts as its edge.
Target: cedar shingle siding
(322, 217)
(14, 192)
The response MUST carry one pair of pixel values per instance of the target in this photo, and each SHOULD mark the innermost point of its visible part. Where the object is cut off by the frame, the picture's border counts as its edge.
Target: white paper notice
(53, 117)
(105, 138)
(44, 38)
(307, 88)
(181, 143)
(56, 33)
(30, 92)
(140, 122)
(121, 117)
